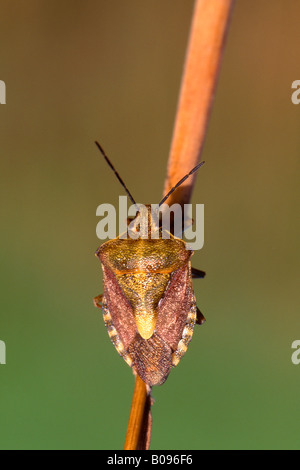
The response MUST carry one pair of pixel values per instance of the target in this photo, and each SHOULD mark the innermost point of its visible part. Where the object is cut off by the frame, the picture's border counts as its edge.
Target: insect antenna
(115, 172)
(180, 182)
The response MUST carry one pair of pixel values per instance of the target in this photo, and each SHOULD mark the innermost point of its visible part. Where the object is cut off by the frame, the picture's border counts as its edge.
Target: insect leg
(197, 273)
(98, 301)
(200, 318)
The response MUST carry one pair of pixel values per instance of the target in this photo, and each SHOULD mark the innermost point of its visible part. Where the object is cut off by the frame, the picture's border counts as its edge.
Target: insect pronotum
(149, 306)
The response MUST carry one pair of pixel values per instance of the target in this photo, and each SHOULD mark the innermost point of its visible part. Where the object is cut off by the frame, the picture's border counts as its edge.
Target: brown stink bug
(149, 307)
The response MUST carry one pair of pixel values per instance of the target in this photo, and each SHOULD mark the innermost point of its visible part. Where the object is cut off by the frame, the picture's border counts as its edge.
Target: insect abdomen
(152, 359)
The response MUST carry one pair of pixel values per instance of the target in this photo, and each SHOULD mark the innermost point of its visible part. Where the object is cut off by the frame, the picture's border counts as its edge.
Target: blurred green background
(77, 71)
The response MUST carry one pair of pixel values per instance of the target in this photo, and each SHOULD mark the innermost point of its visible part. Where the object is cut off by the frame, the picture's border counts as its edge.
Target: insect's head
(145, 212)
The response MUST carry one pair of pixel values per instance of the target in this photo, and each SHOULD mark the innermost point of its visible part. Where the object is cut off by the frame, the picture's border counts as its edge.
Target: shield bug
(149, 307)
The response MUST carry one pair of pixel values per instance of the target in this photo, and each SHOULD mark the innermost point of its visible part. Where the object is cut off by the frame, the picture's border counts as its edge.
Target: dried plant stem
(139, 427)
(204, 52)
(210, 21)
